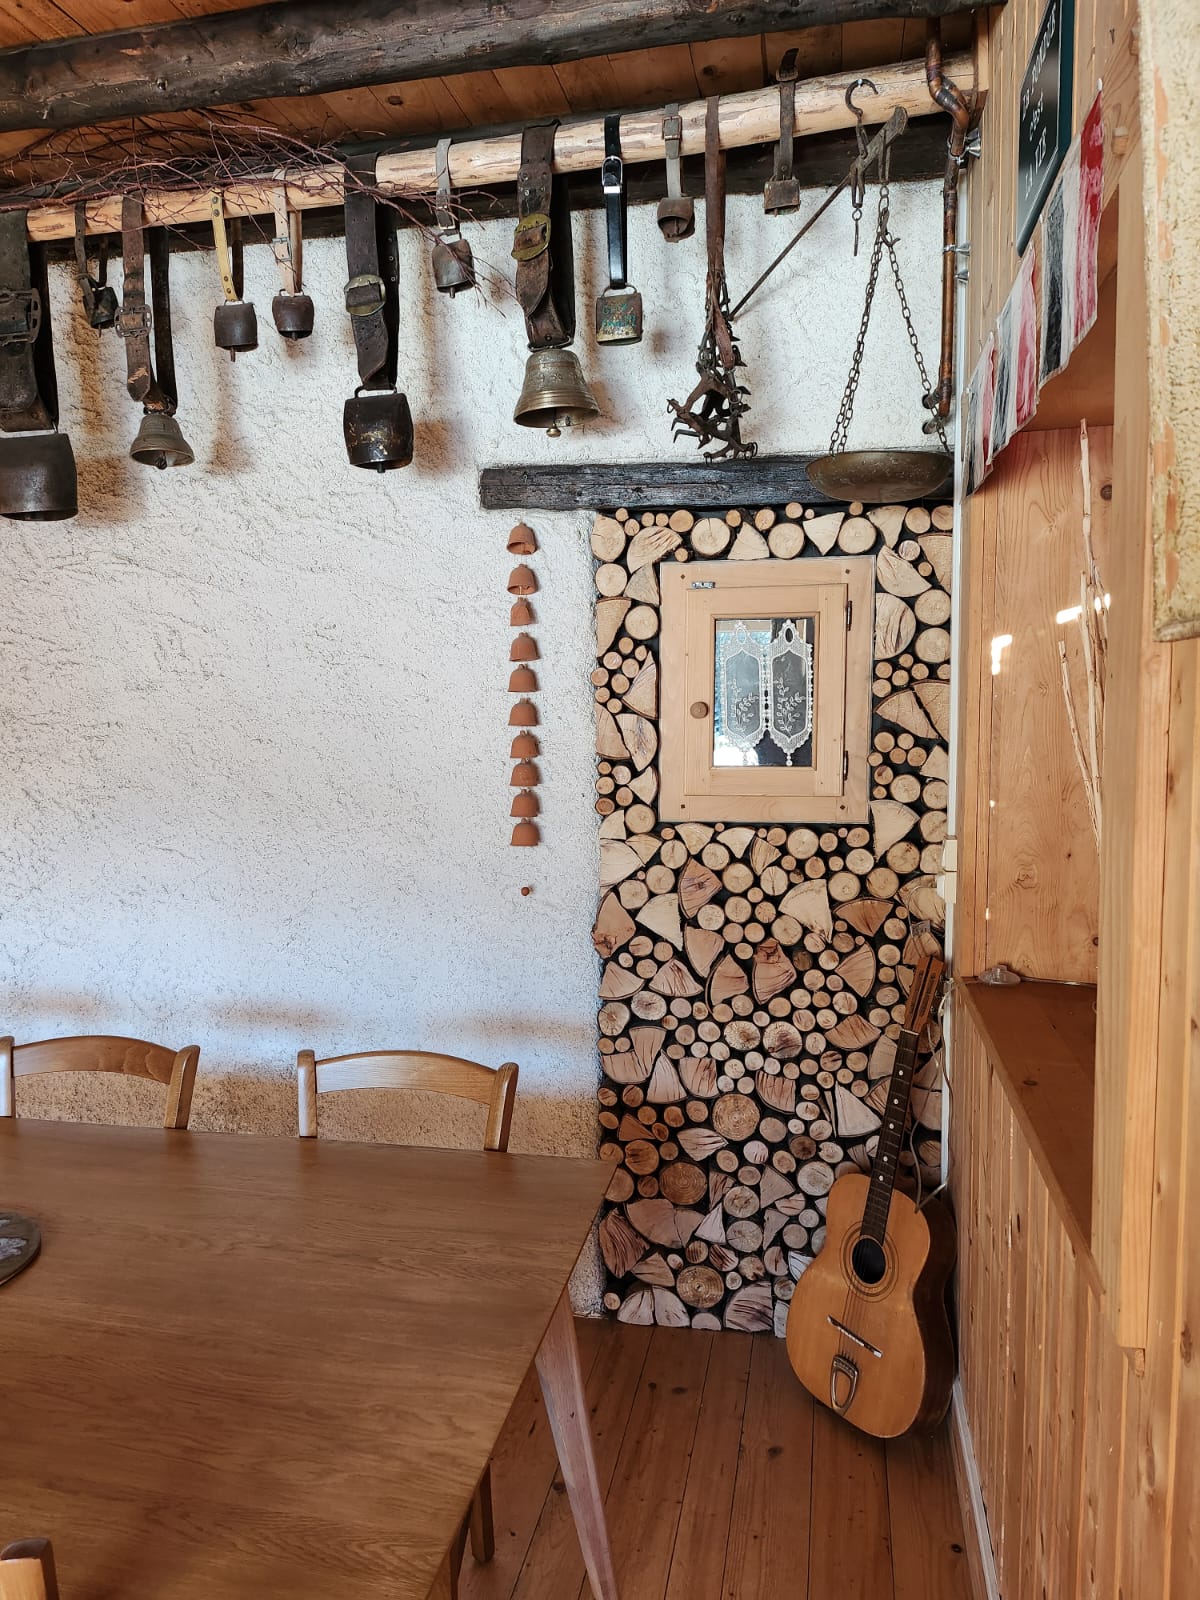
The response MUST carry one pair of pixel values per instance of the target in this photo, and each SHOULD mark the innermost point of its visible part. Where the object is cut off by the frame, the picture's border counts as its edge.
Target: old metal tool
(712, 413)
(782, 192)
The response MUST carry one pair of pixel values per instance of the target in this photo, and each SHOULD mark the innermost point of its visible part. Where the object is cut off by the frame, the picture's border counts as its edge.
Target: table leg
(561, 1378)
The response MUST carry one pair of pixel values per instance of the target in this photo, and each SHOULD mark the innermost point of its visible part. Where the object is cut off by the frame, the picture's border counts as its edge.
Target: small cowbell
(379, 430)
(160, 443)
(102, 307)
(453, 265)
(676, 217)
(293, 314)
(235, 327)
(37, 477)
(554, 394)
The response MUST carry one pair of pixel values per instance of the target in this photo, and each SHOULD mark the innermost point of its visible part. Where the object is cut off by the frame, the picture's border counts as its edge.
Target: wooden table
(265, 1368)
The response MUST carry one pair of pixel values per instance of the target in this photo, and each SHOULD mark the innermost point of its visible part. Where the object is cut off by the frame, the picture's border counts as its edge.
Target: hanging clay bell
(522, 541)
(525, 746)
(521, 580)
(524, 648)
(525, 775)
(521, 615)
(525, 804)
(526, 833)
(523, 715)
(522, 680)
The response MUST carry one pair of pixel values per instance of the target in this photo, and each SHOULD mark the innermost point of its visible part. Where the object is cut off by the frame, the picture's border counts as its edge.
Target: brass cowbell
(554, 394)
(160, 442)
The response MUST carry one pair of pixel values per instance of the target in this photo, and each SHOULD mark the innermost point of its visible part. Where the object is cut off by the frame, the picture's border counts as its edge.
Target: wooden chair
(27, 1571)
(467, 1080)
(104, 1053)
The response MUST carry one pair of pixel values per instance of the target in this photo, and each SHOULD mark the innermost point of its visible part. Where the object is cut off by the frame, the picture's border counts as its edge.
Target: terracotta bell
(293, 314)
(160, 442)
(522, 541)
(378, 429)
(525, 775)
(37, 477)
(525, 804)
(522, 680)
(526, 833)
(525, 746)
(522, 580)
(554, 395)
(521, 615)
(523, 715)
(524, 648)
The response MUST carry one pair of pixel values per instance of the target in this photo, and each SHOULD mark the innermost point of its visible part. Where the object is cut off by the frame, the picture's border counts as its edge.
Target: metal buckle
(27, 303)
(532, 237)
(365, 306)
(672, 133)
(612, 175)
(128, 322)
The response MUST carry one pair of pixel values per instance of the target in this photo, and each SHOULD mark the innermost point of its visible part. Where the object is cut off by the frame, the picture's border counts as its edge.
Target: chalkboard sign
(1045, 113)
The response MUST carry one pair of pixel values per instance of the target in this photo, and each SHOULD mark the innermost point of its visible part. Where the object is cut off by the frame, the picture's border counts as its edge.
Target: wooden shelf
(1041, 1040)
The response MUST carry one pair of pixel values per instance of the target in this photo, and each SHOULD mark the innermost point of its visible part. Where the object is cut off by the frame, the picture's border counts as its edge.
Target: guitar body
(902, 1316)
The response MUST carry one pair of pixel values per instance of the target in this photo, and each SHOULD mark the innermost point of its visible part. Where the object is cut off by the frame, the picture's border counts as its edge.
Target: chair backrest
(27, 1571)
(104, 1053)
(410, 1069)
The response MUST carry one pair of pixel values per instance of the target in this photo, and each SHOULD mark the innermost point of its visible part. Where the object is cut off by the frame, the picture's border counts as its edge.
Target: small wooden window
(766, 687)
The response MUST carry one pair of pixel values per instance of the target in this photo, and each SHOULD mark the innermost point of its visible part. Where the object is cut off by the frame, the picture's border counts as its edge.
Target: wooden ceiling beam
(299, 47)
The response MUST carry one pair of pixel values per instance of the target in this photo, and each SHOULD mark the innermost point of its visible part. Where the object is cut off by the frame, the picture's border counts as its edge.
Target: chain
(883, 240)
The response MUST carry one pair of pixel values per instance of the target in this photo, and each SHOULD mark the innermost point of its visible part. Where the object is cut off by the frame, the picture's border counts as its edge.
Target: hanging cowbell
(376, 422)
(553, 394)
(160, 442)
(37, 465)
(619, 307)
(453, 263)
(235, 324)
(676, 210)
(99, 297)
(291, 311)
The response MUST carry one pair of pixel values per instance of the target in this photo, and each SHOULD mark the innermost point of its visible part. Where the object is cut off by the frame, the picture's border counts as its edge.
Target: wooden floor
(723, 1481)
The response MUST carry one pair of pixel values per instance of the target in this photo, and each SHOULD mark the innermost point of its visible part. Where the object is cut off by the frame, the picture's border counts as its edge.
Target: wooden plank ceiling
(432, 106)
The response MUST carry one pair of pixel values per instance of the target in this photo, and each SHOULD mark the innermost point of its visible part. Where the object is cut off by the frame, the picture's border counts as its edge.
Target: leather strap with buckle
(135, 320)
(99, 299)
(372, 293)
(612, 181)
(676, 210)
(782, 192)
(542, 243)
(28, 388)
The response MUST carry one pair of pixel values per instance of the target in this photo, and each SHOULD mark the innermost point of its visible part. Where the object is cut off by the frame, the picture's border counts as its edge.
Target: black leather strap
(99, 301)
(28, 388)
(135, 320)
(612, 178)
(372, 293)
(542, 245)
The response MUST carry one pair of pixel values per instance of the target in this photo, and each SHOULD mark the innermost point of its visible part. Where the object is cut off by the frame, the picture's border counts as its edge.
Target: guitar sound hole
(869, 1261)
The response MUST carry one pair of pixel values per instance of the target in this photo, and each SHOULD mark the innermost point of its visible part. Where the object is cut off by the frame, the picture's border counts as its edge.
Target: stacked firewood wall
(754, 977)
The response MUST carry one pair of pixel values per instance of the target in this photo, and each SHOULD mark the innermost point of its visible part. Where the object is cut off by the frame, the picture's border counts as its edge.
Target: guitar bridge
(843, 1382)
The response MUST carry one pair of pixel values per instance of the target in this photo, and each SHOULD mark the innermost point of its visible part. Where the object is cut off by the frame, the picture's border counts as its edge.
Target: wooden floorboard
(723, 1481)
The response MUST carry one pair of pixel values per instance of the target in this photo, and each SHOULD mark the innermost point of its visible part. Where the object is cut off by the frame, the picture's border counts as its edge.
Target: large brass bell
(37, 477)
(453, 266)
(379, 430)
(235, 326)
(293, 314)
(160, 442)
(554, 394)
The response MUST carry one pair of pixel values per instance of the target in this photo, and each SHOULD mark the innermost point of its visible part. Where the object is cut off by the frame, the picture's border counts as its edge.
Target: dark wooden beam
(297, 47)
(699, 484)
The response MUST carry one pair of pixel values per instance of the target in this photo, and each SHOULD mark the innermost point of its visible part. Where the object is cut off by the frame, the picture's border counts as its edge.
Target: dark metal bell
(293, 315)
(235, 326)
(379, 430)
(37, 477)
(676, 217)
(160, 442)
(453, 266)
(105, 305)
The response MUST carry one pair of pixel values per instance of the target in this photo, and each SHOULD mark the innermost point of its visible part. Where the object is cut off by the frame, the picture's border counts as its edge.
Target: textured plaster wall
(253, 714)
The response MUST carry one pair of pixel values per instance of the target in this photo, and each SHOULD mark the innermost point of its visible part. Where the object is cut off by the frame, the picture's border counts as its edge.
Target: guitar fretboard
(891, 1138)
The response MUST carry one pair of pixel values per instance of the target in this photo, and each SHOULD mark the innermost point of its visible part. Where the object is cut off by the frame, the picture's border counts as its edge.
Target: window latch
(709, 585)
(849, 615)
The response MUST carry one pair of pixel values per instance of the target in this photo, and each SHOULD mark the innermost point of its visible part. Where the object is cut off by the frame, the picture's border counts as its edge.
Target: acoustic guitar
(867, 1331)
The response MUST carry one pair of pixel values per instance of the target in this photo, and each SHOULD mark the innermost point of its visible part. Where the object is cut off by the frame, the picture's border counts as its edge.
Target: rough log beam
(745, 119)
(695, 483)
(297, 47)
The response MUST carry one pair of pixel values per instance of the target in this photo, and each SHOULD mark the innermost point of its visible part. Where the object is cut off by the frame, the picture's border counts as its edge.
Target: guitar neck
(891, 1137)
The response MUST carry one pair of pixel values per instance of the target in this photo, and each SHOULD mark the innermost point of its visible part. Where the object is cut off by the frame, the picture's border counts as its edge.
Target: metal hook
(860, 133)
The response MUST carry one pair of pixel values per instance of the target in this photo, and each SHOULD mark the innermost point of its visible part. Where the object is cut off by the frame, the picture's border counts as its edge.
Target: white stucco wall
(253, 714)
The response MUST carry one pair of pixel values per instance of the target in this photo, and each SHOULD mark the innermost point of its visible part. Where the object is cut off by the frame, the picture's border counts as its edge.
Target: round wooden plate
(20, 1241)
